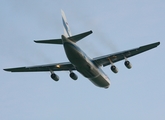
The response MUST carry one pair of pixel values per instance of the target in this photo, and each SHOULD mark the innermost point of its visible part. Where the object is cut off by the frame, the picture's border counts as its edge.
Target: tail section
(65, 23)
(67, 33)
(74, 38)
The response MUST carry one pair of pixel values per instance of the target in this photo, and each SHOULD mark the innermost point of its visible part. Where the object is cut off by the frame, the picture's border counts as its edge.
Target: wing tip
(36, 41)
(158, 43)
(91, 31)
(8, 70)
(18, 69)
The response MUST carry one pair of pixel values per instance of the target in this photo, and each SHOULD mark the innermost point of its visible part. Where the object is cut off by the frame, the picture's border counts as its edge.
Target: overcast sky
(136, 94)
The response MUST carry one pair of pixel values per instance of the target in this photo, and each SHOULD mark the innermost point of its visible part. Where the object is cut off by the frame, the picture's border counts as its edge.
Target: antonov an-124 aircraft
(89, 68)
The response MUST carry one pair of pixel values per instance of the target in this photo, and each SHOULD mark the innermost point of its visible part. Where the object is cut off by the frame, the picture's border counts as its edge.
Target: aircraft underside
(83, 64)
(89, 68)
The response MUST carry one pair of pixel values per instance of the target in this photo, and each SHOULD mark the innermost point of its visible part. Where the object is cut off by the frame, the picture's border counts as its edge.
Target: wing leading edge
(66, 66)
(105, 60)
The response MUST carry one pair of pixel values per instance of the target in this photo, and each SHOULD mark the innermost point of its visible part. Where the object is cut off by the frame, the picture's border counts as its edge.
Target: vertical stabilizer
(65, 23)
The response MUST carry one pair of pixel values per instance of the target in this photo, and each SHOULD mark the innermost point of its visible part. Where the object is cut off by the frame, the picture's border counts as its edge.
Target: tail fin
(67, 32)
(65, 23)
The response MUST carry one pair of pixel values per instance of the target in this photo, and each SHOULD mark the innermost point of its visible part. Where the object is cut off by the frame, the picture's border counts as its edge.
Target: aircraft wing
(105, 60)
(65, 66)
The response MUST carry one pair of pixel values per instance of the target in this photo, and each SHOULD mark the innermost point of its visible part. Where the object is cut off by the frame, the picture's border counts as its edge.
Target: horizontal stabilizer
(78, 37)
(74, 38)
(50, 41)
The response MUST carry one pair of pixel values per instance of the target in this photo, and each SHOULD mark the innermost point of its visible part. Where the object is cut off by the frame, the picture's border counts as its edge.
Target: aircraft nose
(109, 83)
(107, 86)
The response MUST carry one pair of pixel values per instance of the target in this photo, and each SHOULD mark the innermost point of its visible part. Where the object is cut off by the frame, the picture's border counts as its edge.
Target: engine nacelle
(114, 69)
(73, 76)
(54, 77)
(128, 64)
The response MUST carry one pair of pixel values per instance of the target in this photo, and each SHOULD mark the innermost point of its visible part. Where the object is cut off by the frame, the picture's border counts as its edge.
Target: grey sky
(134, 94)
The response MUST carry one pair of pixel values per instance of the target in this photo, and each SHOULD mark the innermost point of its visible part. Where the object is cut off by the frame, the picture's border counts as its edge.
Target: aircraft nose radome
(107, 86)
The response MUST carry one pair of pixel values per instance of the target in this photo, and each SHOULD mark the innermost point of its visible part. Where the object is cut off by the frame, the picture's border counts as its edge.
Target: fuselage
(84, 65)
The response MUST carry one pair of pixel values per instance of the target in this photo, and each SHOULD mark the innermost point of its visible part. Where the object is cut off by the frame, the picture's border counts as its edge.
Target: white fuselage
(84, 65)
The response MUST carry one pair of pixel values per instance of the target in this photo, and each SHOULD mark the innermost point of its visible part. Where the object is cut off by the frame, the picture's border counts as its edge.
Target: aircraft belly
(94, 76)
(87, 71)
(84, 65)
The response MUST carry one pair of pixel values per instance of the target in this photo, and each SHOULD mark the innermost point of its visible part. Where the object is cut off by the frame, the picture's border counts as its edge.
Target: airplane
(78, 60)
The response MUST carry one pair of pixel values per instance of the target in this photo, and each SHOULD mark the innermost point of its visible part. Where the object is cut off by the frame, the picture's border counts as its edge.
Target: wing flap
(105, 60)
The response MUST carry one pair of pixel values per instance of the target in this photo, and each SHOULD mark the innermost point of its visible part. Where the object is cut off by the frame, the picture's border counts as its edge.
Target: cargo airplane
(78, 60)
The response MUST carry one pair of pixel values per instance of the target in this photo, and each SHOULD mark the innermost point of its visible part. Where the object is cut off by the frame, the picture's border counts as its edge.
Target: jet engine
(73, 76)
(54, 77)
(128, 64)
(114, 69)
